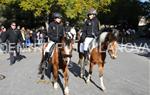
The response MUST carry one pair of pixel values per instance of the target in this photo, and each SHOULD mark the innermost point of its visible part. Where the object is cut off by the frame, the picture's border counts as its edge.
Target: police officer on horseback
(56, 29)
(55, 33)
(91, 30)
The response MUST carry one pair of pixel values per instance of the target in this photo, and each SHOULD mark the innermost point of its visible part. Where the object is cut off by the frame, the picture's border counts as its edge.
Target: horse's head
(66, 54)
(68, 37)
(67, 47)
(112, 43)
(108, 41)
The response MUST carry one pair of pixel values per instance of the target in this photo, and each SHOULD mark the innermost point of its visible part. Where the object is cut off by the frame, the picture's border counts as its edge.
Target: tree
(72, 9)
(78, 8)
(11, 11)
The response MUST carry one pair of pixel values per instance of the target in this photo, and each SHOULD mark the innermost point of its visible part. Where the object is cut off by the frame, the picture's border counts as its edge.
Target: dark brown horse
(107, 41)
(61, 57)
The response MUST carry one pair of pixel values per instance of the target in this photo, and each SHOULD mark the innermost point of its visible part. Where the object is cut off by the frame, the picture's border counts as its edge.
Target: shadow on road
(17, 58)
(75, 69)
(20, 57)
(145, 54)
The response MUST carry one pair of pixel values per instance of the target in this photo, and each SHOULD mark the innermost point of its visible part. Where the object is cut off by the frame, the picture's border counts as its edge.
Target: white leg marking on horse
(102, 83)
(55, 85)
(66, 90)
(68, 61)
(88, 78)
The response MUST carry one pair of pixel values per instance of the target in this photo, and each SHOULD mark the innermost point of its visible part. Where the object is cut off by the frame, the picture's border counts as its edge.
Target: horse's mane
(104, 37)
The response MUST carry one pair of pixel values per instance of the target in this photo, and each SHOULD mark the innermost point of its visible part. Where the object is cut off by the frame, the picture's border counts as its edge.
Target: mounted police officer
(55, 33)
(91, 30)
(13, 36)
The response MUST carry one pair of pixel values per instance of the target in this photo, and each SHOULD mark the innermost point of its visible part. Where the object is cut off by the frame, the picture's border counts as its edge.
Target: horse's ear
(115, 32)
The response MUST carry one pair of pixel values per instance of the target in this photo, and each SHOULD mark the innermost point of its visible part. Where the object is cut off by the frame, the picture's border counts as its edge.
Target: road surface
(129, 74)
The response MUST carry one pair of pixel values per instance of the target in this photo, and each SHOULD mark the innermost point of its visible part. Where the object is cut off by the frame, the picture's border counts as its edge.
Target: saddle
(49, 48)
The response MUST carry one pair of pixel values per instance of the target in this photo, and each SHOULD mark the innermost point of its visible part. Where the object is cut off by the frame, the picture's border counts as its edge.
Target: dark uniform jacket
(55, 32)
(12, 36)
(91, 28)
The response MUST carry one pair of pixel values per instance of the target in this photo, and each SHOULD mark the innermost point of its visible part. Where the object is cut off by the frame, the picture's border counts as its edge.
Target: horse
(61, 57)
(106, 41)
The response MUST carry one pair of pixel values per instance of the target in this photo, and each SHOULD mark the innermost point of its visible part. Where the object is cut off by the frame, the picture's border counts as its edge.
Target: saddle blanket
(93, 44)
(49, 48)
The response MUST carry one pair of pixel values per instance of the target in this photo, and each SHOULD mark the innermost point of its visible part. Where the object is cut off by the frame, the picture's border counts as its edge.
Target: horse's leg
(80, 58)
(81, 63)
(55, 75)
(101, 71)
(82, 72)
(43, 65)
(90, 72)
(66, 78)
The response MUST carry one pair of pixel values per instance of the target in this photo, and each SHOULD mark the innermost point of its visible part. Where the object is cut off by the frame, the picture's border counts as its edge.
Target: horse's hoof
(102, 84)
(88, 78)
(55, 85)
(66, 91)
(88, 81)
(42, 77)
(81, 75)
(66, 94)
(103, 88)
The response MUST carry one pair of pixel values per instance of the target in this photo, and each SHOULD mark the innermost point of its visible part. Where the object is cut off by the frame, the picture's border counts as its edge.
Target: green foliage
(78, 8)
(110, 11)
(37, 6)
(71, 8)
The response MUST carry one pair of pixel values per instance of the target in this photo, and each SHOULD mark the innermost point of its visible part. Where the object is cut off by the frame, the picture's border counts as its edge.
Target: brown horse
(107, 41)
(61, 57)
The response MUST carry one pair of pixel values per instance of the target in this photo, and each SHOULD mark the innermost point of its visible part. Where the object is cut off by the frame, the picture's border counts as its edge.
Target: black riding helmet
(57, 15)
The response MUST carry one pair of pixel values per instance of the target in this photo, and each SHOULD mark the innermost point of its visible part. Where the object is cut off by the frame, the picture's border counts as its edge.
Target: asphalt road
(129, 74)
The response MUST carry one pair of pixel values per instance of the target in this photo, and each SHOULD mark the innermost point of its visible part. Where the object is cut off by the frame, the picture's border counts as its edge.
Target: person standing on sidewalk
(13, 36)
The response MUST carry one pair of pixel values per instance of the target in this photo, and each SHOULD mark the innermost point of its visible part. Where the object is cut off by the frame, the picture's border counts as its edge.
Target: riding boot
(86, 57)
